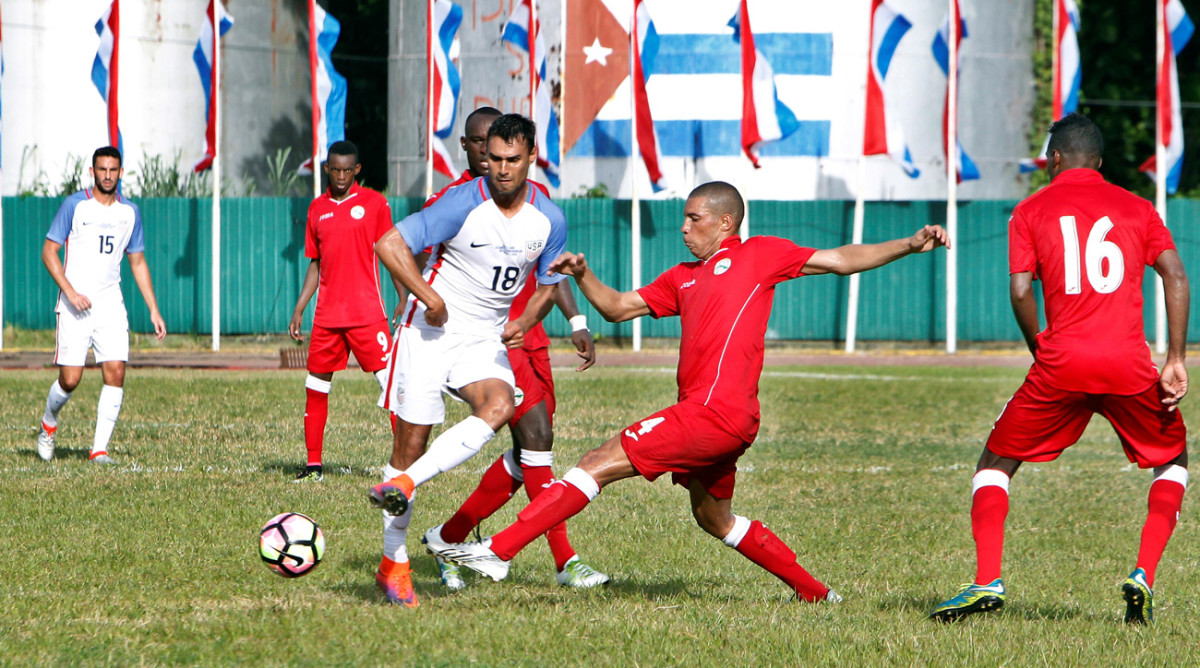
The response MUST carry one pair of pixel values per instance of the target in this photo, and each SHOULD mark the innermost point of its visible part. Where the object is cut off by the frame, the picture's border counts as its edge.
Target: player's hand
(1174, 383)
(929, 238)
(294, 326)
(160, 327)
(436, 314)
(585, 347)
(514, 334)
(398, 313)
(569, 264)
(80, 302)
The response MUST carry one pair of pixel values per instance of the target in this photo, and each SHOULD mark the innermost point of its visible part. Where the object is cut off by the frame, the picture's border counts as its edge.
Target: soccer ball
(291, 544)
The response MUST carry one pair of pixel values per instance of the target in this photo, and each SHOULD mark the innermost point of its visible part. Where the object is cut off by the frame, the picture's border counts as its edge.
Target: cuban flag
(967, 170)
(1067, 73)
(764, 117)
(1177, 30)
(104, 68)
(516, 32)
(203, 56)
(328, 87)
(882, 134)
(443, 50)
(645, 48)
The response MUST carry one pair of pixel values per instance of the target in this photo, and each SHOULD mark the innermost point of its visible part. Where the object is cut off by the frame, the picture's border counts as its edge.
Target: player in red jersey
(343, 225)
(530, 462)
(1086, 240)
(724, 302)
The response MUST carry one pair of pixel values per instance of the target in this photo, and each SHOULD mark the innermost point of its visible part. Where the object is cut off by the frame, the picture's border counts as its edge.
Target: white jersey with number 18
(95, 238)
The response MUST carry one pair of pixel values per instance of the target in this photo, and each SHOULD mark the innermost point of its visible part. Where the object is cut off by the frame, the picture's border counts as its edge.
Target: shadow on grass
(59, 453)
(330, 469)
(923, 605)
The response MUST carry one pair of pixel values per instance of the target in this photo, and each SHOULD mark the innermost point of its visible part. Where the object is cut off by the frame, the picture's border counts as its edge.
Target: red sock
(316, 412)
(495, 489)
(1166, 497)
(553, 506)
(989, 508)
(537, 479)
(764, 548)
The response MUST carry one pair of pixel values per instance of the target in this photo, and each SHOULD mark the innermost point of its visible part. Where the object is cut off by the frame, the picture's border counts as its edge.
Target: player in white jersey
(487, 236)
(96, 227)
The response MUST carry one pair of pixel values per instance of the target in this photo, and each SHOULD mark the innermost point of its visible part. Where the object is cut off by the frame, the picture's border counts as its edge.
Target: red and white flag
(105, 67)
(206, 46)
(764, 117)
(444, 20)
(1177, 29)
(882, 134)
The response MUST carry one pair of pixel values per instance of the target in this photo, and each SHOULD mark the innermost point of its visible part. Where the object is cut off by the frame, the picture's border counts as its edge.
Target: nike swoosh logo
(475, 245)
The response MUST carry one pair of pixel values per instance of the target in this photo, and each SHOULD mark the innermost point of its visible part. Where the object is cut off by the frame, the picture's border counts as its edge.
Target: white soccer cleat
(103, 459)
(833, 597)
(45, 442)
(475, 556)
(449, 573)
(578, 574)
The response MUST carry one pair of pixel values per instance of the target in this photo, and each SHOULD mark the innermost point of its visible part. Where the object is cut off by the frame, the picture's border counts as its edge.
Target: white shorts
(103, 327)
(427, 362)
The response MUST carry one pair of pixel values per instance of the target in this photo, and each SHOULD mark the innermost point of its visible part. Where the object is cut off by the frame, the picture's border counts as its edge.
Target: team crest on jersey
(533, 249)
(357, 212)
(722, 267)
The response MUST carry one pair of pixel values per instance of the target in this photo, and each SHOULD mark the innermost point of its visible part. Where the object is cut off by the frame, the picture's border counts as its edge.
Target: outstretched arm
(854, 258)
(613, 306)
(398, 258)
(311, 278)
(1174, 378)
(581, 337)
(1024, 306)
(141, 275)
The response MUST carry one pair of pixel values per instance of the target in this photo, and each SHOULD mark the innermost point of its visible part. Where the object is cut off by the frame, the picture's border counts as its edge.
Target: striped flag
(516, 32)
(203, 57)
(966, 168)
(104, 68)
(1, 113)
(1177, 29)
(1066, 74)
(882, 134)
(645, 48)
(328, 87)
(764, 117)
(443, 49)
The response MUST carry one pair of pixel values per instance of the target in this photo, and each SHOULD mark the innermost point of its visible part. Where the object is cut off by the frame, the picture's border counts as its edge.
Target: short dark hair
(107, 152)
(1076, 134)
(723, 199)
(344, 147)
(482, 111)
(511, 127)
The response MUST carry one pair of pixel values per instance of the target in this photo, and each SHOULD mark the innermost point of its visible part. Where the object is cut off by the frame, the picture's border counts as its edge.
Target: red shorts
(329, 349)
(1041, 421)
(691, 442)
(531, 368)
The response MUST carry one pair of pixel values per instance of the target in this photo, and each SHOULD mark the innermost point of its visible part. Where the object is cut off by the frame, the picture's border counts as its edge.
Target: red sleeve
(662, 296)
(383, 218)
(780, 259)
(1158, 237)
(1021, 256)
(311, 249)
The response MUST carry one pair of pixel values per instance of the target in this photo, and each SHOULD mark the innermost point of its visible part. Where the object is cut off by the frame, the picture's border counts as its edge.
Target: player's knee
(715, 523)
(496, 412)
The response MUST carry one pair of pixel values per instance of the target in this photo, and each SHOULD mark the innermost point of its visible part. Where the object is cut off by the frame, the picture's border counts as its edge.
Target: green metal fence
(263, 265)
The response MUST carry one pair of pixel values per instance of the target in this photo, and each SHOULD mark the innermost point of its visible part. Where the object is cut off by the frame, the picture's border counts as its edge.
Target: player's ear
(357, 168)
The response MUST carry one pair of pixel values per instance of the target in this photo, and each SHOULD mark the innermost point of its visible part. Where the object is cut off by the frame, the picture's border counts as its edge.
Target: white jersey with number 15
(95, 237)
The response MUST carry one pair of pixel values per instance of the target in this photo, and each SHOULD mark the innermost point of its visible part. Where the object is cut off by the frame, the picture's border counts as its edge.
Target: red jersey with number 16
(342, 235)
(723, 305)
(1088, 241)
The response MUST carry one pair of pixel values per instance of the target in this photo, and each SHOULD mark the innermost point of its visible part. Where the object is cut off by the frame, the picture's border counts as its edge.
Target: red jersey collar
(728, 244)
(1079, 175)
(354, 188)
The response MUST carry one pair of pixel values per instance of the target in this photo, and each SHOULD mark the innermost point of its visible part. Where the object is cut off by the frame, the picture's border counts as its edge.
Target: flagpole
(635, 217)
(952, 185)
(1, 263)
(429, 99)
(533, 74)
(216, 184)
(855, 278)
(316, 110)
(1160, 180)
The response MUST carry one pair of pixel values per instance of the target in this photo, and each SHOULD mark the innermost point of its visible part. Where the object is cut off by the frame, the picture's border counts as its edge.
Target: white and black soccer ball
(291, 544)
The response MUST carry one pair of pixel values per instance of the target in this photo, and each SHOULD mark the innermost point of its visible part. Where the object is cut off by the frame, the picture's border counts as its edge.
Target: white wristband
(578, 322)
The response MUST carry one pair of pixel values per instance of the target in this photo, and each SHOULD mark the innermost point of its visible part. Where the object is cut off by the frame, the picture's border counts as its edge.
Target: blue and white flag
(882, 134)
(1, 82)
(1067, 74)
(329, 87)
(203, 57)
(764, 117)
(105, 66)
(1177, 28)
(516, 32)
(966, 168)
(443, 75)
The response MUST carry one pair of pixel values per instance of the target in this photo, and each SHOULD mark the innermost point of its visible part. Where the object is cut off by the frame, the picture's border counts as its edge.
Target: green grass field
(865, 472)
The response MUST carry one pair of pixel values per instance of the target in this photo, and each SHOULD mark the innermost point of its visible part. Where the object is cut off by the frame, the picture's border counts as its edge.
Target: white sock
(395, 527)
(583, 481)
(382, 377)
(455, 446)
(986, 477)
(54, 403)
(741, 526)
(534, 459)
(511, 465)
(108, 408)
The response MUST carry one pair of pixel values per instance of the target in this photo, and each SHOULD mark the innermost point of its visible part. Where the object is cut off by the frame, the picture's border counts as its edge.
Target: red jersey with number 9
(1088, 241)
